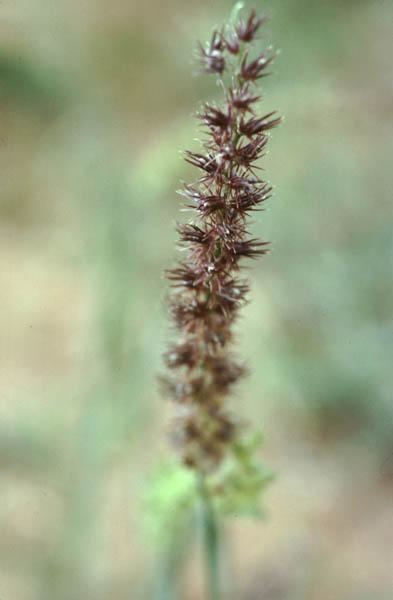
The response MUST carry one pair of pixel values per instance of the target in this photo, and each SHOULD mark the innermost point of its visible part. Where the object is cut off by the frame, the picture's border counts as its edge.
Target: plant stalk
(211, 543)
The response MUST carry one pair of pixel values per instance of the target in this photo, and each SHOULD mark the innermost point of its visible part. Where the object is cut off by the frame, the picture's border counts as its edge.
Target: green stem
(167, 580)
(171, 563)
(211, 548)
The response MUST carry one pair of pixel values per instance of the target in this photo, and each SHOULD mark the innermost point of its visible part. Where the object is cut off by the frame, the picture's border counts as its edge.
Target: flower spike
(207, 292)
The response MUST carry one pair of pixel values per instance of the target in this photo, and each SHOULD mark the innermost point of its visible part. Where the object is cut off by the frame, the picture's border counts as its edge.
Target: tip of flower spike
(246, 30)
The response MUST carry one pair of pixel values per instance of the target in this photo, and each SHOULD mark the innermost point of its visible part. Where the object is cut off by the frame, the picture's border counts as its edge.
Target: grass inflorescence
(208, 286)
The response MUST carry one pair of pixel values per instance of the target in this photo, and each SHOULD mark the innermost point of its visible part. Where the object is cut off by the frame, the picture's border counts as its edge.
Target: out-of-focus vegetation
(96, 100)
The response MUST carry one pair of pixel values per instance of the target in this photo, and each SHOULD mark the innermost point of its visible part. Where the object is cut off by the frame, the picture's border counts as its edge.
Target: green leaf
(238, 487)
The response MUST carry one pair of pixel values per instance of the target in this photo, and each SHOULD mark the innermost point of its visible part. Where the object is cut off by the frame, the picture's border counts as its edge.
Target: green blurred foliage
(235, 489)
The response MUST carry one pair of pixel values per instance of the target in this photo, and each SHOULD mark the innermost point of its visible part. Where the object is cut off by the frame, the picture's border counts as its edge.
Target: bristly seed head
(207, 293)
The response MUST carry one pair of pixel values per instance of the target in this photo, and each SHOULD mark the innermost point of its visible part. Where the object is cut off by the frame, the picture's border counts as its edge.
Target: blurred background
(96, 100)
